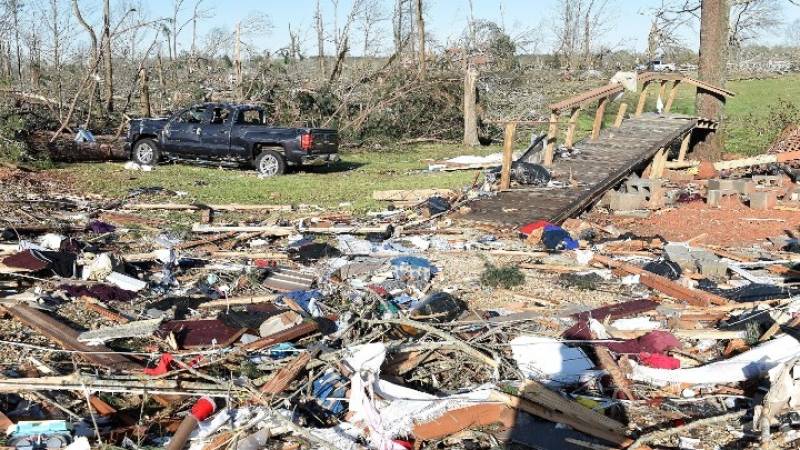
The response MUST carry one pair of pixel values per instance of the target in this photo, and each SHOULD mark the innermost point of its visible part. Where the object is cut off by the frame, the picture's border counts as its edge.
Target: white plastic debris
(123, 281)
(130, 165)
(584, 257)
(635, 323)
(750, 364)
(51, 241)
(550, 361)
(81, 443)
(98, 269)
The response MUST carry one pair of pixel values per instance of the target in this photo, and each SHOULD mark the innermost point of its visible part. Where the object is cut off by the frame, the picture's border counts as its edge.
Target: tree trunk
(397, 25)
(237, 64)
(108, 63)
(713, 61)
(320, 27)
(15, 16)
(421, 39)
(470, 108)
(145, 93)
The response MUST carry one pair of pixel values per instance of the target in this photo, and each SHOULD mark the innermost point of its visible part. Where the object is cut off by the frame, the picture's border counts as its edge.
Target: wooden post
(508, 150)
(684, 146)
(598, 117)
(662, 89)
(654, 166)
(623, 108)
(573, 123)
(672, 93)
(144, 97)
(642, 99)
(552, 134)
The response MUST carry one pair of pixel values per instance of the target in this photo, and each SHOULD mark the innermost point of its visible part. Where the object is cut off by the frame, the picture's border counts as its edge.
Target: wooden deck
(597, 166)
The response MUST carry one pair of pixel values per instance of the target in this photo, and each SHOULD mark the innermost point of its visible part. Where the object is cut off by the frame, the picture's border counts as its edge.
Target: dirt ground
(733, 225)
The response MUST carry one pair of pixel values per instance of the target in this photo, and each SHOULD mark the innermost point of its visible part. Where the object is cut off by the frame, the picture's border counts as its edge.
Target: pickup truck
(227, 133)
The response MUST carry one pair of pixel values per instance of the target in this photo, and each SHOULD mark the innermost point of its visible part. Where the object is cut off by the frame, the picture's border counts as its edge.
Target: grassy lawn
(748, 124)
(351, 180)
(748, 127)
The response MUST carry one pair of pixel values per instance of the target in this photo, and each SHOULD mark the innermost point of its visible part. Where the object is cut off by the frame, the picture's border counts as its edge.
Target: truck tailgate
(325, 141)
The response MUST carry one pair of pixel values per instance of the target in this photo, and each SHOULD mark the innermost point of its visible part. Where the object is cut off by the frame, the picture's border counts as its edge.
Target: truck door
(215, 134)
(246, 120)
(182, 133)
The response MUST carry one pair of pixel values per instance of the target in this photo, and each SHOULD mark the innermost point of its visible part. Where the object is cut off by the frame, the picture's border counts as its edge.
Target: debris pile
(279, 326)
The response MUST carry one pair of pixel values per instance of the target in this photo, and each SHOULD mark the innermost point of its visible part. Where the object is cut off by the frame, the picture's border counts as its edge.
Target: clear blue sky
(627, 26)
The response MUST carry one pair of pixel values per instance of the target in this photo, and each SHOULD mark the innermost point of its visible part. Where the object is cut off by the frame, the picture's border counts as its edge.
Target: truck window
(250, 116)
(192, 115)
(220, 116)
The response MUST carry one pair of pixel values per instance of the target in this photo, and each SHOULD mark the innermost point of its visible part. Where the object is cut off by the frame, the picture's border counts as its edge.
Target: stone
(715, 198)
(712, 268)
(743, 187)
(651, 190)
(767, 181)
(621, 201)
(763, 200)
(720, 185)
(679, 254)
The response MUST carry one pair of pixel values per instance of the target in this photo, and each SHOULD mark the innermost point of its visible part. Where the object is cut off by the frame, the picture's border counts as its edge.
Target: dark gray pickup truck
(226, 133)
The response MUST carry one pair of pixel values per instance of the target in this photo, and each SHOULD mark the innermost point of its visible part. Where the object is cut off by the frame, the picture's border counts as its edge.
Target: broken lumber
(199, 206)
(414, 195)
(271, 230)
(662, 284)
(235, 301)
(68, 338)
(281, 379)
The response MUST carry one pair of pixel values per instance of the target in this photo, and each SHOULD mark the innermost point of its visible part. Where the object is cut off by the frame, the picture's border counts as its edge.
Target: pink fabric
(659, 361)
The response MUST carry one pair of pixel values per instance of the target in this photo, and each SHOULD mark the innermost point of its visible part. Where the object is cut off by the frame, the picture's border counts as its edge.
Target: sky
(627, 26)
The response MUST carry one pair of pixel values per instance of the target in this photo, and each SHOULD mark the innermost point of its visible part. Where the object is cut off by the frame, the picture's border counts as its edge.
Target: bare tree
(319, 26)
(580, 23)
(421, 39)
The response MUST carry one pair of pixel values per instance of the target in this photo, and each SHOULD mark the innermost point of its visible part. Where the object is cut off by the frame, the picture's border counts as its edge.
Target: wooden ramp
(597, 166)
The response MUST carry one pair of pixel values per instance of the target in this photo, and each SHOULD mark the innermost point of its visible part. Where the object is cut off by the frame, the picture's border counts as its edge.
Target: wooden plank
(672, 93)
(623, 108)
(573, 124)
(598, 117)
(508, 150)
(552, 134)
(68, 338)
(684, 147)
(642, 99)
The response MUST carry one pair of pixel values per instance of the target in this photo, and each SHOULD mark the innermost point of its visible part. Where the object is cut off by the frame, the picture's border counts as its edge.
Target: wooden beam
(623, 108)
(508, 153)
(642, 99)
(586, 97)
(598, 117)
(552, 134)
(672, 93)
(662, 89)
(684, 146)
(573, 124)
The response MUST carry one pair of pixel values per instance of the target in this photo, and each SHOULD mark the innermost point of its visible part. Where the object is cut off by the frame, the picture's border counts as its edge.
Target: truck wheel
(145, 152)
(270, 163)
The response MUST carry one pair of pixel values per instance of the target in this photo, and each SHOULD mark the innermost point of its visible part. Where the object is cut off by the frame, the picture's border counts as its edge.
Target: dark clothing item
(104, 292)
(60, 262)
(665, 268)
(99, 227)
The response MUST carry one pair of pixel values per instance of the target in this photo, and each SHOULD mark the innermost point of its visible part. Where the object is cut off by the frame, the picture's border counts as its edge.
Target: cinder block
(763, 200)
(679, 254)
(794, 194)
(714, 197)
(712, 268)
(720, 185)
(621, 201)
(744, 187)
(651, 190)
(767, 181)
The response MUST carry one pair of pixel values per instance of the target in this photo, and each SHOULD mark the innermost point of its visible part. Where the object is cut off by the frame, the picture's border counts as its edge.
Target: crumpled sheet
(750, 364)
(388, 410)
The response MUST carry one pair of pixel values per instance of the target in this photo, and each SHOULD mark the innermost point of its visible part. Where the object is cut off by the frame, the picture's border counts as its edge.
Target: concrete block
(714, 197)
(620, 201)
(720, 185)
(652, 191)
(794, 194)
(744, 187)
(767, 181)
(711, 268)
(763, 200)
(679, 254)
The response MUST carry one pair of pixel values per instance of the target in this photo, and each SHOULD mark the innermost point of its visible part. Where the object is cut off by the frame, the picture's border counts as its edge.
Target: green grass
(749, 125)
(352, 180)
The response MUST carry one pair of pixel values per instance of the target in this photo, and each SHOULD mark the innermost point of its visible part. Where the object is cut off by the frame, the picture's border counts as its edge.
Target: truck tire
(270, 163)
(145, 152)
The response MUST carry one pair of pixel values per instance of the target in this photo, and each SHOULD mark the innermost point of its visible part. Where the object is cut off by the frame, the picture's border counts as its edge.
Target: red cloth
(203, 408)
(162, 367)
(659, 361)
(535, 225)
(652, 342)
